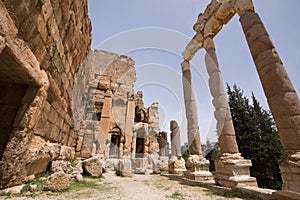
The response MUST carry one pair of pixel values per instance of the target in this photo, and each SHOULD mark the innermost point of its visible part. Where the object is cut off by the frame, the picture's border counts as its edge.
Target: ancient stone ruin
(231, 168)
(111, 119)
(62, 102)
(42, 44)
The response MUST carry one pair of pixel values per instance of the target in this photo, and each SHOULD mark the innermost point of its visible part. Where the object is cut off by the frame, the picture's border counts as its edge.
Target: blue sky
(154, 33)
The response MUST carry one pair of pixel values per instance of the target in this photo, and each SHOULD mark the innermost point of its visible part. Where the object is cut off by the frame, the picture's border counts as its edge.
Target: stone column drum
(197, 165)
(282, 99)
(231, 168)
(176, 163)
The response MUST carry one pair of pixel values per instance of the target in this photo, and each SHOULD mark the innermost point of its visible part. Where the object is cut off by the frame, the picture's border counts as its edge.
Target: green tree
(257, 138)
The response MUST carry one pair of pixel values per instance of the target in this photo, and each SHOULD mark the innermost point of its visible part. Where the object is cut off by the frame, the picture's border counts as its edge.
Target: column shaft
(191, 111)
(225, 129)
(281, 95)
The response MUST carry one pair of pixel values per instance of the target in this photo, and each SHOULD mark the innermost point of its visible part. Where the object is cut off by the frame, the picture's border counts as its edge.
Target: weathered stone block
(284, 104)
(242, 6)
(255, 32)
(249, 19)
(125, 168)
(197, 168)
(93, 166)
(58, 181)
(275, 80)
(260, 45)
(176, 166)
(267, 58)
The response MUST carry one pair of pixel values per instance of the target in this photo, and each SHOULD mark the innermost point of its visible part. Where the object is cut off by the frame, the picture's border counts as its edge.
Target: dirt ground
(139, 187)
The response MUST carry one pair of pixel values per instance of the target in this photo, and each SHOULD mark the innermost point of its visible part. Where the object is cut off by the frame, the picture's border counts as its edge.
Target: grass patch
(86, 184)
(161, 186)
(39, 181)
(75, 185)
(146, 182)
(175, 195)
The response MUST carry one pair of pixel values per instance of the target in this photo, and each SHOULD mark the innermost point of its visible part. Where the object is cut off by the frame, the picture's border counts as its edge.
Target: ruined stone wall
(59, 34)
(107, 80)
(42, 45)
(149, 116)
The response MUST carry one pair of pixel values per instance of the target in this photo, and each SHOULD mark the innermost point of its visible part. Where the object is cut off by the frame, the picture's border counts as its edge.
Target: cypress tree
(257, 138)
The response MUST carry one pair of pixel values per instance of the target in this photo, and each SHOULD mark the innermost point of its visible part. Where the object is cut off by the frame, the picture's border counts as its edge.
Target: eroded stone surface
(58, 181)
(93, 166)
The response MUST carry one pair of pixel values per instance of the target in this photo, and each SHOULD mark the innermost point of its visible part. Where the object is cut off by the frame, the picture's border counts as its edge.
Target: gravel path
(139, 187)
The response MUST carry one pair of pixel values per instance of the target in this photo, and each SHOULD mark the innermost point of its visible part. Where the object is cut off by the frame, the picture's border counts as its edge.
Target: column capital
(208, 44)
(241, 6)
(185, 66)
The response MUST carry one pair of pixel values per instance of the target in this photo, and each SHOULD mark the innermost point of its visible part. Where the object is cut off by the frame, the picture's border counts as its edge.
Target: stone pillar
(175, 139)
(231, 168)
(163, 150)
(281, 95)
(176, 163)
(129, 127)
(105, 122)
(197, 165)
(163, 144)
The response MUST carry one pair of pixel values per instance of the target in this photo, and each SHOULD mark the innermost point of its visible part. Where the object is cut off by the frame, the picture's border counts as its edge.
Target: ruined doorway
(115, 141)
(140, 147)
(10, 102)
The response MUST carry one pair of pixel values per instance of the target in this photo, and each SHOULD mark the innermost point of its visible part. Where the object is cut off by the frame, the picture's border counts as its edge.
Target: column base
(290, 172)
(176, 165)
(164, 160)
(232, 170)
(198, 168)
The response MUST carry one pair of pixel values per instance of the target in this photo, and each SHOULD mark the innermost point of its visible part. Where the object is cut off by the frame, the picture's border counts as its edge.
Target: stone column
(281, 95)
(231, 168)
(129, 127)
(105, 122)
(176, 163)
(163, 144)
(163, 150)
(175, 139)
(197, 165)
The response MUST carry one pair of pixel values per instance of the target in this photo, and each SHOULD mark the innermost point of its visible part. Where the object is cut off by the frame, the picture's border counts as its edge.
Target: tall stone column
(231, 168)
(281, 95)
(176, 163)
(197, 165)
